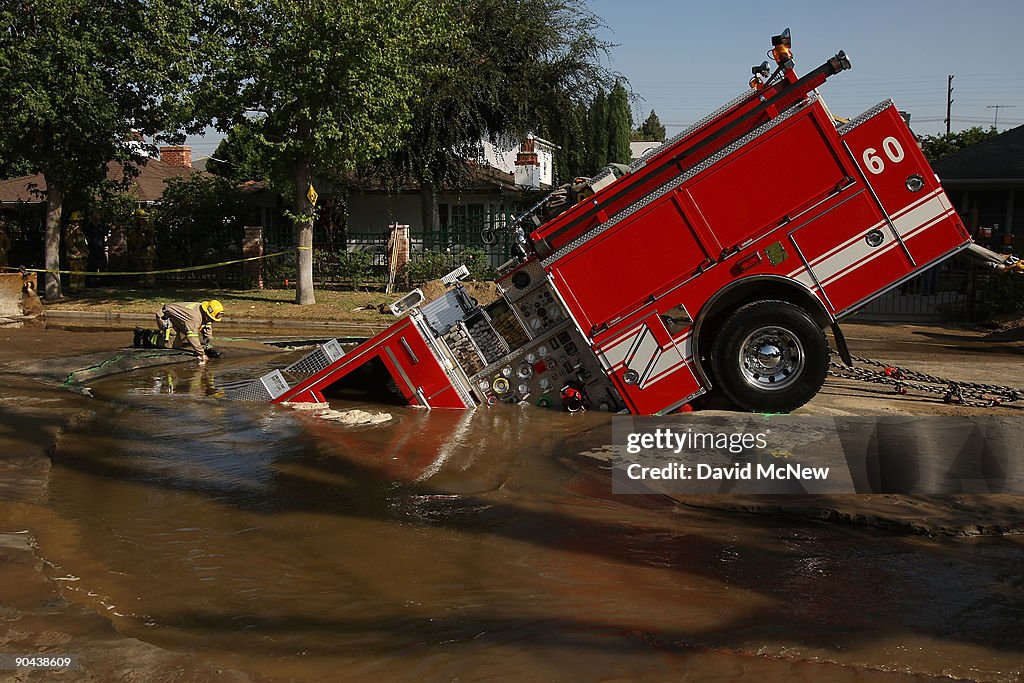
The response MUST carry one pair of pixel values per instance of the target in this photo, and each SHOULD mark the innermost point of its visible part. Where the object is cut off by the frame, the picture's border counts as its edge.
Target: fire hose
(904, 380)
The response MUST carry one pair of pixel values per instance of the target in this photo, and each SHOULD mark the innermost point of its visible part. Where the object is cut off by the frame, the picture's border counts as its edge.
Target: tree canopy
(81, 80)
(498, 80)
(620, 125)
(244, 154)
(334, 84)
(938, 146)
(650, 129)
(592, 135)
(569, 132)
(597, 124)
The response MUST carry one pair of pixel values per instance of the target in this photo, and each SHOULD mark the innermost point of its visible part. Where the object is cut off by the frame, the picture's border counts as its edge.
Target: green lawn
(238, 304)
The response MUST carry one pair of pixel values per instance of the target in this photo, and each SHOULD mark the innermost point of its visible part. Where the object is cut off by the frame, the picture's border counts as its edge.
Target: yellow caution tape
(150, 272)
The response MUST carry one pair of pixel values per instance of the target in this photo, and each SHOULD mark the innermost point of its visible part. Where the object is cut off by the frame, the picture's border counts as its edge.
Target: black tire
(770, 357)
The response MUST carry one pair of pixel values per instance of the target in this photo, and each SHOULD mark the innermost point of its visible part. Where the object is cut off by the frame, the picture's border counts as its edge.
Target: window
(454, 214)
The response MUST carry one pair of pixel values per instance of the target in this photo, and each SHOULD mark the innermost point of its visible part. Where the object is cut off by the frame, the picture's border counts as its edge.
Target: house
(500, 182)
(488, 192)
(985, 182)
(23, 200)
(148, 186)
(531, 162)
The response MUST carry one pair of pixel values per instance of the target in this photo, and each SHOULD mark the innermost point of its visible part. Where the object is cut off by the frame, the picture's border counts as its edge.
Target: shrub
(278, 269)
(198, 221)
(427, 266)
(431, 265)
(1002, 293)
(475, 259)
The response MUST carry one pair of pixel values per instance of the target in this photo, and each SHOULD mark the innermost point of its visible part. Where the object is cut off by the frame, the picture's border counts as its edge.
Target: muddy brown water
(481, 546)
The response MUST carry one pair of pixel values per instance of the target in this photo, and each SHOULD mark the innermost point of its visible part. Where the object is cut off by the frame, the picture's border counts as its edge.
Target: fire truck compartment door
(405, 354)
(616, 272)
(781, 173)
(921, 218)
(848, 252)
(648, 367)
(417, 371)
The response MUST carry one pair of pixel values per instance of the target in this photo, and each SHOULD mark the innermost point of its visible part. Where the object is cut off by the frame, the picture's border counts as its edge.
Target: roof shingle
(998, 158)
(148, 186)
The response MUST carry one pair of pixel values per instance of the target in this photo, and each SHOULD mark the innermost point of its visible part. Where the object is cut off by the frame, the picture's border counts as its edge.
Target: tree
(570, 134)
(620, 123)
(597, 120)
(78, 81)
(516, 67)
(938, 146)
(193, 218)
(650, 129)
(12, 168)
(244, 154)
(333, 82)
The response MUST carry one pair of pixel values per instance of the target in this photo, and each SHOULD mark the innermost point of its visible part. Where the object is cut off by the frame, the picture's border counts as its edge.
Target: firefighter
(142, 246)
(77, 253)
(193, 323)
(5, 244)
(96, 234)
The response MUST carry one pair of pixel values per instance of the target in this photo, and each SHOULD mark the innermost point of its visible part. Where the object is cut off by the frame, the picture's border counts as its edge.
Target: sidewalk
(113, 319)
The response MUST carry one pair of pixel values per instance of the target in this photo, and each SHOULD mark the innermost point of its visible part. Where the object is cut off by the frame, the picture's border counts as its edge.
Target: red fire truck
(715, 264)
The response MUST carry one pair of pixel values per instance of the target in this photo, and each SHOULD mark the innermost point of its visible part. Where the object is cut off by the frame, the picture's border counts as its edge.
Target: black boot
(139, 335)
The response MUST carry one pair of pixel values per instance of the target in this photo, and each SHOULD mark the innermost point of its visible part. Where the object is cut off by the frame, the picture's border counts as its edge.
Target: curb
(132, 319)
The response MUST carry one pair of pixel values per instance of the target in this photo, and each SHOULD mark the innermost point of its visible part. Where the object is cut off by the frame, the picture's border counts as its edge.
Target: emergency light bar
(782, 49)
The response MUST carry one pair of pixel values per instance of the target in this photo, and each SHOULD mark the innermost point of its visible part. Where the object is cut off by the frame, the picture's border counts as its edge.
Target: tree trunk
(428, 213)
(303, 234)
(51, 241)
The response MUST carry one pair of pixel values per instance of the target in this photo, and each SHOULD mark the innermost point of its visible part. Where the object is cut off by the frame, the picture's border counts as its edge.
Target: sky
(684, 59)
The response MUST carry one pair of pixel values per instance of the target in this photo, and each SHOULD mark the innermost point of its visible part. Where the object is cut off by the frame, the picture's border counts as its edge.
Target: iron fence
(341, 257)
(350, 258)
(469, 234)
(938, 293)
(25, 228)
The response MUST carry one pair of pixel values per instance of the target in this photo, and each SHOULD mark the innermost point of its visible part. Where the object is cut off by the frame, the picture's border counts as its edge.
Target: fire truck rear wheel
(770, 356)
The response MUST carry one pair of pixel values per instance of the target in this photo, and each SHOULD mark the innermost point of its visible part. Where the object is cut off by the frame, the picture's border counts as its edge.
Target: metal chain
(903, 379)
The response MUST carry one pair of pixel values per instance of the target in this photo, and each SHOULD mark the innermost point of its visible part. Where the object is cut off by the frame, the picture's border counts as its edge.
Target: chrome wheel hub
(771, 358)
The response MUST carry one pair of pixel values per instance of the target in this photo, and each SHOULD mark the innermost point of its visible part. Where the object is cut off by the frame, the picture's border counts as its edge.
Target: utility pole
(949, 100)
(997, 107)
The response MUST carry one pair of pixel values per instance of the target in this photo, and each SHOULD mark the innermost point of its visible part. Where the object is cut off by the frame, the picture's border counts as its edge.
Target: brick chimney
(527, 173)
(176, 155)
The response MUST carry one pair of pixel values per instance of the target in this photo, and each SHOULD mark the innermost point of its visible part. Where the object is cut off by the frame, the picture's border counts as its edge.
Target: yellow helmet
(213, 308)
